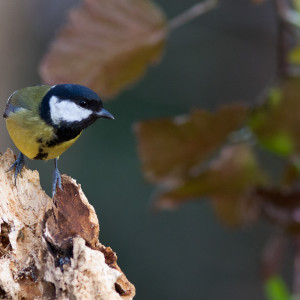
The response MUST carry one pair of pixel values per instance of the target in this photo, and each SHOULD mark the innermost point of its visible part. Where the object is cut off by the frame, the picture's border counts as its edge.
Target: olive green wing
(27, 98)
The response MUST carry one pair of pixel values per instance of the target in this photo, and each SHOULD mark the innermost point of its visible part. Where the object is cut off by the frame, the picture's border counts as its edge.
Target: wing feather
(27, 98)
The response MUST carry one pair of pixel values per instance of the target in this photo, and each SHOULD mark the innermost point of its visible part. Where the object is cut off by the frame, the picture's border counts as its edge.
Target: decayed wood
(52, 251)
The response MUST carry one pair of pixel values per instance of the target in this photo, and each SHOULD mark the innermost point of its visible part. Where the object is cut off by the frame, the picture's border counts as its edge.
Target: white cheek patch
(66, 110)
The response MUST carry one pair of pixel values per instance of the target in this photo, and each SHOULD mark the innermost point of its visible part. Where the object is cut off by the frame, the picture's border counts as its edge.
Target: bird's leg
(18, 166)
(56, 179)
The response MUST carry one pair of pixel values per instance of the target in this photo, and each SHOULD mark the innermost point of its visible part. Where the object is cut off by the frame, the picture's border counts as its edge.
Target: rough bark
(51, 250)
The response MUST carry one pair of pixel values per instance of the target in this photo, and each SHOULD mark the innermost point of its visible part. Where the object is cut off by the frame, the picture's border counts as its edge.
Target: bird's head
(72, 106)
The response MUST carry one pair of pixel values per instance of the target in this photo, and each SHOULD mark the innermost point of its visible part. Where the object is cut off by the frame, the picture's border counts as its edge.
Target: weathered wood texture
(52, 251)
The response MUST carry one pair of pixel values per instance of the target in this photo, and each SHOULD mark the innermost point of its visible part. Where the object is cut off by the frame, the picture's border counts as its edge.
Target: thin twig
(192, 13)
(273, 255)
(296, 279)
(288, 25)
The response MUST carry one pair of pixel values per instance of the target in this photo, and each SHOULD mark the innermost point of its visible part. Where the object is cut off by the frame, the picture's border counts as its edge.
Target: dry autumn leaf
(106, 45)
(170, 149)
(281, 206)
(228, 181)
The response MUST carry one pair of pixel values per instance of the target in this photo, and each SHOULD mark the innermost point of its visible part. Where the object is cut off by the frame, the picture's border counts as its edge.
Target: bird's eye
(83, 103)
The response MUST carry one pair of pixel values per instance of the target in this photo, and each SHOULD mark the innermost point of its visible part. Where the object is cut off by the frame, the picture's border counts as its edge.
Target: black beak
(103, 113)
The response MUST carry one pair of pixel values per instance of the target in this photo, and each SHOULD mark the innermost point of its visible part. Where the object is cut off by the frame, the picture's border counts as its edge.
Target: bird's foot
(17, 166)
(56, 180)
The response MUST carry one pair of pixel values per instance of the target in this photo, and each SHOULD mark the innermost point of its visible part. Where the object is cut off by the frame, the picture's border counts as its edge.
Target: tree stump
(50, 250)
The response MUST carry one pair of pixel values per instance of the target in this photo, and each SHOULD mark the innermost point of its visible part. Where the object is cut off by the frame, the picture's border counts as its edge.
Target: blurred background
(226, 55)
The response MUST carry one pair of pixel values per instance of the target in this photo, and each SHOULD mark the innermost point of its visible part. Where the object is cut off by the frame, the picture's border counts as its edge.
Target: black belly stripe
(41, 154)
(53, 142)
(63, 134)
(60, 135)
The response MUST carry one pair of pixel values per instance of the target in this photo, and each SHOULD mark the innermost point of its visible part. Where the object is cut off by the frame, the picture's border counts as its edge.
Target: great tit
(44, 121)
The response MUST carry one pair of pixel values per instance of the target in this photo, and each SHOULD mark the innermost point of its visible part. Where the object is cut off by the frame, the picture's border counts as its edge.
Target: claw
(56, 179)
(17, 166)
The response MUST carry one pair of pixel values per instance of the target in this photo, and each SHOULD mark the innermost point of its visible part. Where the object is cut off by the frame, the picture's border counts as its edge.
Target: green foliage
(294, 55)
(276, 289)
(280, 143)
(276, 123)
(296, 4)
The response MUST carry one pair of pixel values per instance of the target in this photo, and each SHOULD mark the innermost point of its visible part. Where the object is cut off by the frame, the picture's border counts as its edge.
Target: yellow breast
(27, 132)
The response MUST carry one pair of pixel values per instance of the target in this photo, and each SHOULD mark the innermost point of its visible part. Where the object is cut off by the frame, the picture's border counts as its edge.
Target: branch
(192, 13)
(296, 277)
(53, 252)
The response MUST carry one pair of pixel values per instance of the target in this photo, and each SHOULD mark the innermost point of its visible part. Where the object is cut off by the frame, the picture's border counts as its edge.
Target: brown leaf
(291, 174)
(280, 205)
(170, 149)
(236, 210)
(106, 45)
(228, 181)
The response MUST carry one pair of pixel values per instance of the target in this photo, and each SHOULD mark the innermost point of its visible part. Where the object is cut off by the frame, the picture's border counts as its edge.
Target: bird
(44, 121)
